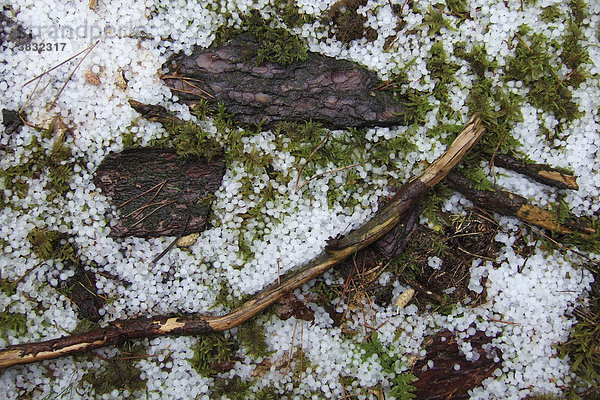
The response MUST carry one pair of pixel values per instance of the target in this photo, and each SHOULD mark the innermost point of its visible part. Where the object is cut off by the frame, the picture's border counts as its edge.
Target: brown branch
(508, 203)
(336, 251)
(539, 172)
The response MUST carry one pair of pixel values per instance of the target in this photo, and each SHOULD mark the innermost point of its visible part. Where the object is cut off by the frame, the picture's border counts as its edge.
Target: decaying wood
(338, 93)
(539, 172)
(154, 191)
(508, 203)
(155, 113)
(338, 250)
(443, 380)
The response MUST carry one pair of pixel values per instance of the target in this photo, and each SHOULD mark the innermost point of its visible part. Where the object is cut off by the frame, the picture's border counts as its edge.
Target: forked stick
(336, 251)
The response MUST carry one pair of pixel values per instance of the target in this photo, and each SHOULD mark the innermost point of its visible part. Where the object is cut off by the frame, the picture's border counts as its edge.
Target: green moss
(457, 8)
(442, 73)
(499, 113)
(533, 65)
(478, 177)
(435, 21)
(574, 54)
(417, 106)
(275, 43)
(12, 323)
(432, 204)
(251, 335)
(583, 349)
(85, 325)
(57, 162)
(551, 13)
(401, 387)
(48, 244)
(232, 389)
(477, 58)
(211, 351)
(190, 140)
(118, 373)
(289, 13)
(578, 10)
(267, 393)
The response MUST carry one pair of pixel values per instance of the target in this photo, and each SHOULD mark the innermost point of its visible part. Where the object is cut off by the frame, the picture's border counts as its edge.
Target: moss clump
(346, 23)
(232, 389)
(578, 10)
(583, 348)
(400, 383)
(56, 162)
(442, 73)
(48, 244)
(275, 43)
(212, 353)
(477, 58)
(457, 8)
(118, 373)
(288, 12)
(533, 65)
(551, 13)
(252, 337)
(574, 54)
(12, 323)
(435, 21)
(191, 141)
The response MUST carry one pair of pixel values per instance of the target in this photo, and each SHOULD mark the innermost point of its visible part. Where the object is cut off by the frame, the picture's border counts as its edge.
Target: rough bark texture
(335, 92)
(539, 172)
(443, 381)
(154, 191)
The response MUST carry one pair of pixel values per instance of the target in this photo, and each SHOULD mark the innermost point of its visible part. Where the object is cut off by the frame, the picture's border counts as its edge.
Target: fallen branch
(336, 251)
(539, 172)
(508, 203)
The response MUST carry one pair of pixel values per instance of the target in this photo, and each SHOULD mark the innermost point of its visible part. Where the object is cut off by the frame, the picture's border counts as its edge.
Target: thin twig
(141, 194)
(291, 349)
(56, 66)
(321, 143)
(72, 72)
(152, 212)
(141, 208)
(326, 173)
(170, 246)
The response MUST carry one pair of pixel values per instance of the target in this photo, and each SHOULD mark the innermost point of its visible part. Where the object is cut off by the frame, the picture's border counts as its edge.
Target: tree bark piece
(154, 190)
(443, 380)
(538, 172)
(508, 203)
(335, 92)
(119, 331)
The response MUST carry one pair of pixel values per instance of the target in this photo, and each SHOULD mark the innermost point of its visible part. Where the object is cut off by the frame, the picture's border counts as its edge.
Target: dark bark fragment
(443, 381)
(335, 92)
(539, 172)
(11, 121)
(175, 188)
(81, 290)
(155, 113)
